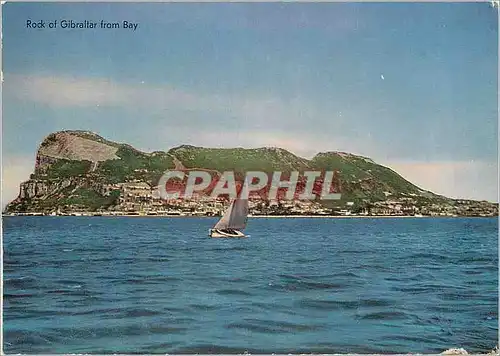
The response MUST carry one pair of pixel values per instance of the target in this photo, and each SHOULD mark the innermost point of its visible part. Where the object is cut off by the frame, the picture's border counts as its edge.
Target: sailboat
(233, 221)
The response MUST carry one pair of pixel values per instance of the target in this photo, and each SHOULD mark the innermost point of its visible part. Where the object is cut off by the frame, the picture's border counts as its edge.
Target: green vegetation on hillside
(134, 164)
(81, 197)
(356, 168)
(90, 198)
(64, 168)
(239, 160)
(365, 181)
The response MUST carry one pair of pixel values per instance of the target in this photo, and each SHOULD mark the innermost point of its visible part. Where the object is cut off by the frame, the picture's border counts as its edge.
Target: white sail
(235, 217)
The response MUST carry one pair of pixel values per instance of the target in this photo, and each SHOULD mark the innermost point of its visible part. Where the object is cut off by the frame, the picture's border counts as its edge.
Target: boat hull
(221, 234)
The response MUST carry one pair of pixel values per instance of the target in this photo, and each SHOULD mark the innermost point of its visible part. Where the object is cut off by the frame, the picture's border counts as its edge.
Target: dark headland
(81, 173)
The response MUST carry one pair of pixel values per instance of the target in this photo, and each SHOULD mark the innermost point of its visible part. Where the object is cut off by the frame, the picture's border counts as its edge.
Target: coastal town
(139, 199)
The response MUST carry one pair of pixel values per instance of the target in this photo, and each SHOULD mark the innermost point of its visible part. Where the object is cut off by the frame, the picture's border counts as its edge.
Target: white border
(3, 2)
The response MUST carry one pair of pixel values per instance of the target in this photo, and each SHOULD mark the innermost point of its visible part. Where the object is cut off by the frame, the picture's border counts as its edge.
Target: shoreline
(138, 215)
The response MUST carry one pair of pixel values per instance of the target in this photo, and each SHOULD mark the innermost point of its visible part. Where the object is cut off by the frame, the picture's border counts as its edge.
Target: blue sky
(411, 85)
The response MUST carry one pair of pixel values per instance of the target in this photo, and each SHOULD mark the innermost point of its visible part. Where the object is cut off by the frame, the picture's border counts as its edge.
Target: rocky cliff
(82, 170)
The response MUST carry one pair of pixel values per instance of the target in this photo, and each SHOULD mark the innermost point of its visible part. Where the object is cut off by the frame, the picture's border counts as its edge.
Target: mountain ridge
(94, 167)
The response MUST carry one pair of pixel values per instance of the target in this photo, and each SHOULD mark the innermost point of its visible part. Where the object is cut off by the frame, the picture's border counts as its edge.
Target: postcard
(250, 178)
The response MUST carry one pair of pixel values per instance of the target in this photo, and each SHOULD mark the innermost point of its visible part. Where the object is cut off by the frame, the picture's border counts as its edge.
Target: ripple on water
(327, 305)
(137, 329)
(24, 282)
(10, 296)
(75, 291)
(143, 280)
(298, 283)
(130, 313)
(384, 315)
(211, 348)
(307, 259)
(419, 256)
(155, 348)
(30, 338)
(274, 327)
(228, 248)
(236, 292)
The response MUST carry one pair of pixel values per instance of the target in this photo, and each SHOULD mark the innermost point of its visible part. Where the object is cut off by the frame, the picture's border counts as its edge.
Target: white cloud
(252, 110)
(60, 92)
(455, 179)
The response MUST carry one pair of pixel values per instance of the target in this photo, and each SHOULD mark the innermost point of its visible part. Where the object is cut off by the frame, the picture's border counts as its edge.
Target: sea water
(324, 285)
